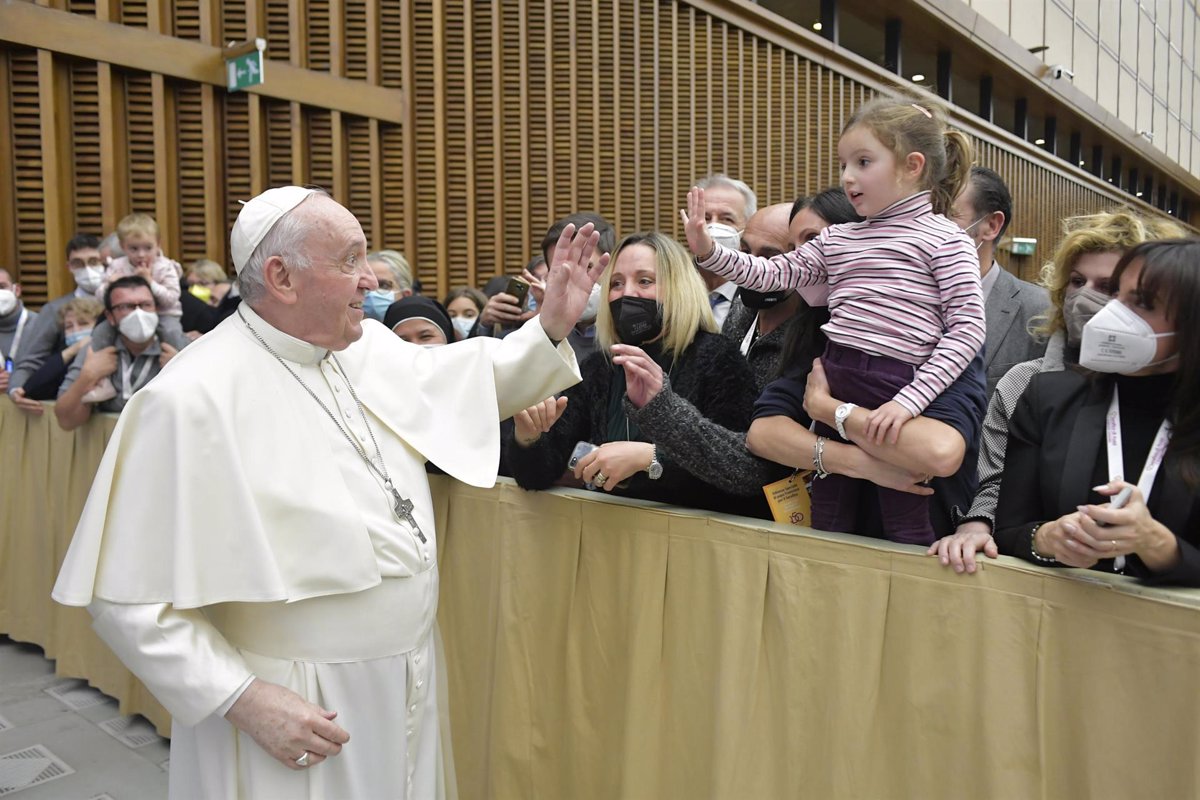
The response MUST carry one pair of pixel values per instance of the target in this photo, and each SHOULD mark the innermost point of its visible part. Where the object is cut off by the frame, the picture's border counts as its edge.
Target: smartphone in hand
(518, 289)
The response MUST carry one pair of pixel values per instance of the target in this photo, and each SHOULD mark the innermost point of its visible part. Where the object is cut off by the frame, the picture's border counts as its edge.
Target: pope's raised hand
(570, 280)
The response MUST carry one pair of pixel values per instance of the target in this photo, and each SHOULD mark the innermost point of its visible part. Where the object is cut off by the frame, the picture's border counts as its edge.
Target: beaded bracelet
(818, 452)
(1033, 547)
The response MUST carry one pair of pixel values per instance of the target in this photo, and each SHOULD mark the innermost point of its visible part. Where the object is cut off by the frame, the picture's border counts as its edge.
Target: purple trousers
(866, 380)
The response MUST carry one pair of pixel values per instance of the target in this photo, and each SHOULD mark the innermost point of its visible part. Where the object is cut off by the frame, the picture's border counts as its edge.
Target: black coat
(1054, 455)
(698, 423)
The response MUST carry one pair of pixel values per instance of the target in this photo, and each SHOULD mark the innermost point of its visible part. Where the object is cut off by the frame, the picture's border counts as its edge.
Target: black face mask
(637, 319)
(761, 300)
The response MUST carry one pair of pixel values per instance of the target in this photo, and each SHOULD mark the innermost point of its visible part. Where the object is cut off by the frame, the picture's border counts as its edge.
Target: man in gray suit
(984, 210)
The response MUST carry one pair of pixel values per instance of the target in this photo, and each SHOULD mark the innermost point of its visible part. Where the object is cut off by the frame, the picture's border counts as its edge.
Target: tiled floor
(50, 750)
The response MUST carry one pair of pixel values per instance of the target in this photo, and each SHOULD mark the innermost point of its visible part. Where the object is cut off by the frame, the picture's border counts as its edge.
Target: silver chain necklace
(402, 507)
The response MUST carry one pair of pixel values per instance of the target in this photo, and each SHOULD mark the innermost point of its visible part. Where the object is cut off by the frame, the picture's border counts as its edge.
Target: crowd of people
(863, 341)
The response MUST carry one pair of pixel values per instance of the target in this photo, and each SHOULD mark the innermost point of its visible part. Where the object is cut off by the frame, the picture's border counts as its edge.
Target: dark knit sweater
(698, 423)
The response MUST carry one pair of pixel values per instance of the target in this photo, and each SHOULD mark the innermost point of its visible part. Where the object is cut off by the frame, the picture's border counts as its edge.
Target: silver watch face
(655, 470)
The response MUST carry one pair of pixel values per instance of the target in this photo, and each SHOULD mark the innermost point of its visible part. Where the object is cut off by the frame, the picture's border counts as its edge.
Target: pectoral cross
(403, 510)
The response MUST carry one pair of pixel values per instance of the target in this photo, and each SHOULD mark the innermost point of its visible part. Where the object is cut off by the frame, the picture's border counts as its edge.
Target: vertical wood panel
(85, 154)
(166, 176)
(59, 210)
(8, 201)
(114, 148)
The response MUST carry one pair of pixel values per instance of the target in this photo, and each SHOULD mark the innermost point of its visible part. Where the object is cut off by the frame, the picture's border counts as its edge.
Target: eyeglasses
(127, 308)
(79, 263)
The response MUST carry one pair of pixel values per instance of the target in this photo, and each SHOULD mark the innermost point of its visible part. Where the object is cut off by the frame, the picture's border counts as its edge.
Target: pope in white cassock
(286, 616)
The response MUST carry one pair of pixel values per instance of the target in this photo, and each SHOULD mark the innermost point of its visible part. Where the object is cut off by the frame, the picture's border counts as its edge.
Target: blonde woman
(665, 398)
(1079, 279)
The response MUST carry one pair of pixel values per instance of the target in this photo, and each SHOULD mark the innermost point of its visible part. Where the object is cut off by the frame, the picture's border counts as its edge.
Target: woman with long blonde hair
(665, 400)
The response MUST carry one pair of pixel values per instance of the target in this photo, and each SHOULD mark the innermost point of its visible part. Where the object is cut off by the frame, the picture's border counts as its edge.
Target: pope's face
(329, 294)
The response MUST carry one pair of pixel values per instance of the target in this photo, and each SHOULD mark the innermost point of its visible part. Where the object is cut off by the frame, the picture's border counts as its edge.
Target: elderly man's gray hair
(398, 265)
(112, 244)
(286, 240)
(720, 179)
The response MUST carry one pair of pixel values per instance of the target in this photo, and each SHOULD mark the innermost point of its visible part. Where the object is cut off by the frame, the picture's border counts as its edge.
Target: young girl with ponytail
(906, 309)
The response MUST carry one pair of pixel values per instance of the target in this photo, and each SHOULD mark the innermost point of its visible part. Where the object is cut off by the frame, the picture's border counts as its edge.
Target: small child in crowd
(138, 236)
(906, 308)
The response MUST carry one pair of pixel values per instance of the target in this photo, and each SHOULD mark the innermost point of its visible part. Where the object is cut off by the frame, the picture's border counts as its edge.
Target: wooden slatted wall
(517, 112)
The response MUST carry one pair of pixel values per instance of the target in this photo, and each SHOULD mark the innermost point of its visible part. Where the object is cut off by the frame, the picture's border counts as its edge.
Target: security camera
(1057, 71)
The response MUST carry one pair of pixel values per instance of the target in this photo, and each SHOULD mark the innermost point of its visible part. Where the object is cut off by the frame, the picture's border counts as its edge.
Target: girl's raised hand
(699, 242)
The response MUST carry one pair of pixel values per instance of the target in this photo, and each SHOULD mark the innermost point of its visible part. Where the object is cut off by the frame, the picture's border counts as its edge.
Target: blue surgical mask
(78, 336)
(376, 303)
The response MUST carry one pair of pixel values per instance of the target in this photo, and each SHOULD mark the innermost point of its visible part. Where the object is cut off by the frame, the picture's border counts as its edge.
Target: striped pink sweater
(903, 284)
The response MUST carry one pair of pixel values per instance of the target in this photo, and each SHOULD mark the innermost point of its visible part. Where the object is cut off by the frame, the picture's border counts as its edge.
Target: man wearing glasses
(45, 335)
(128, 366)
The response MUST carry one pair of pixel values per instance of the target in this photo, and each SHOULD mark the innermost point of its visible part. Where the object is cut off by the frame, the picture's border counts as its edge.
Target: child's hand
(699, 242)
(886, 421)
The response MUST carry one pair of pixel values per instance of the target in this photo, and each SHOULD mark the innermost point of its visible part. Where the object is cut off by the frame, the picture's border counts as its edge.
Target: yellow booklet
(789, 500)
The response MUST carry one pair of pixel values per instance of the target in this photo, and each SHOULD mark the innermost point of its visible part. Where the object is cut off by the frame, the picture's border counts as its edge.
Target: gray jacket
(1010, 306)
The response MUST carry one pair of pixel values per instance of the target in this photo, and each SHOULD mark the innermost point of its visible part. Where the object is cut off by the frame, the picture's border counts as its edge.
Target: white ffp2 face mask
(1118, 340)
(8, 301)
(593, 306)
(139, 326)
(463, 325)
(724, 235)
(88, 278)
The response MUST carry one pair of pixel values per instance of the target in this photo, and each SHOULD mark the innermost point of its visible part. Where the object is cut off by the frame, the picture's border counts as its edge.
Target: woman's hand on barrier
(531, 423)
(1060, 539)
(699, 242)
(959, 548)
(1124, 531)
(26, 404)
(643, 376)
(611, 464)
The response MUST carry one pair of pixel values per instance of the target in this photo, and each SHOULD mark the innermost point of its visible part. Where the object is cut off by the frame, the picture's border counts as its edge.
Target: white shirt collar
(989, 280)
(727, 290)
(287, 346)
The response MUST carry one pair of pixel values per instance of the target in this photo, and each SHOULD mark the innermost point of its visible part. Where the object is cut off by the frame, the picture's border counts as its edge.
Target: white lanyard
(128, 385)
(748, 339)
(16, 342)
(1116, 456)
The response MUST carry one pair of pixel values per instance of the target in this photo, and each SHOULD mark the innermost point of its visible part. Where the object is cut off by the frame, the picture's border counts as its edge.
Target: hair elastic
(923, 110)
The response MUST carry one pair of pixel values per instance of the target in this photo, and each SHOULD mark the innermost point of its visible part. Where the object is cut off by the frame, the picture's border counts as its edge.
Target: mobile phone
(1119, 501)
(580, 451)
(1121, 498)
(518, 289)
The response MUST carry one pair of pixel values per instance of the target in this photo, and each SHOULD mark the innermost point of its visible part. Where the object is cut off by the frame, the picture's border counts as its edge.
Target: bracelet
(1033, 547)
(818, 452)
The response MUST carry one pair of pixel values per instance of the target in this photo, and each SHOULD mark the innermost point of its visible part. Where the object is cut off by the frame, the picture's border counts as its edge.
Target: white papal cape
(233, 532)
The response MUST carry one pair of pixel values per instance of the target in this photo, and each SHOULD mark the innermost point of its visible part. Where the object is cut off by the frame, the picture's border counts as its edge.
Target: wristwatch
(655, 468)
(840, 416)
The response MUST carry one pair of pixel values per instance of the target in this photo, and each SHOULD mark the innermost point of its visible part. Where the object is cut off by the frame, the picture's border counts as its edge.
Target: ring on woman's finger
(600, 479)
(302, 761)
(1112, 545)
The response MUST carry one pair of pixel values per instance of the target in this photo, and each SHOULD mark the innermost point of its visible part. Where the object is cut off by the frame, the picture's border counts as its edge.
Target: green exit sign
(1023, 247)
(244, 65)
